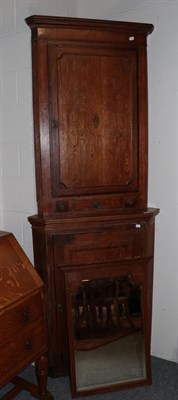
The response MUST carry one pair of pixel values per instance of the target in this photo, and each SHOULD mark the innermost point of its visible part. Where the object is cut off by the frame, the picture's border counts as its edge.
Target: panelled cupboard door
(95, 141)
(90, 114)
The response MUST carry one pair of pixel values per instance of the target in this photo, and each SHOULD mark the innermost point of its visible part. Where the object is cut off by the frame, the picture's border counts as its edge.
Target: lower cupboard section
(88, 248)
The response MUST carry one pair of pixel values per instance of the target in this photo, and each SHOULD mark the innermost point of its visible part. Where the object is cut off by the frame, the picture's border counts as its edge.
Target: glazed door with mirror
(108, 326)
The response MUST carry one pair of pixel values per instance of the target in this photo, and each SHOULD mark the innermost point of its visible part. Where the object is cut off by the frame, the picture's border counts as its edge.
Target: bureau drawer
(126, 242)
(21, 317)
(21, 351)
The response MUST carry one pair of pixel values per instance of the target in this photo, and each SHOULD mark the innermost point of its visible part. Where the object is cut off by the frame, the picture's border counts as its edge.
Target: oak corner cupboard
(91, 155)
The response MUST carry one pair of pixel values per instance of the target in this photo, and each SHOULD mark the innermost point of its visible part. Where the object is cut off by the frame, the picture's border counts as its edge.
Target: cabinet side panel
(43, 254)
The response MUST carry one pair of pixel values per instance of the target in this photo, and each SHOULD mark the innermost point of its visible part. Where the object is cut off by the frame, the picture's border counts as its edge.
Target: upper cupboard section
(90, 114)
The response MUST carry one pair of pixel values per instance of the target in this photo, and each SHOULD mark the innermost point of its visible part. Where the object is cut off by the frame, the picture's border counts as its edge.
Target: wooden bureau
(22, 320)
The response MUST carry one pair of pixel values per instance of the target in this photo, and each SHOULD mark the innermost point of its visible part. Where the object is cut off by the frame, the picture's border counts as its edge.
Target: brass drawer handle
(28, 345)
(26, 316)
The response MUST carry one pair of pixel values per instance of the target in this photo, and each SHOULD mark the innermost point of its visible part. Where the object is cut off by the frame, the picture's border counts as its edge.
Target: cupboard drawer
(95, 204)
(129, 241)
(21, 317)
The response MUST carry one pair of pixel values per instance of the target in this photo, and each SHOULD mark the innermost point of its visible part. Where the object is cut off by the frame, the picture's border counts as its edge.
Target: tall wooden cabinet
(90, 129)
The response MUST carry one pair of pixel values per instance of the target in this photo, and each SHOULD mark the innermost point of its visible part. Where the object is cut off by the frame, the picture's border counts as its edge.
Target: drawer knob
(26, 316)
(97, 204)
(28, 345)
(130, 203)
(62, 207)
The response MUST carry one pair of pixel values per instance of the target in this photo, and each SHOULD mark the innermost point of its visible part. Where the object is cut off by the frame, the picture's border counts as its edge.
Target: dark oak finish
(67, 242)
(23, 321)
(90, 130)
(82, 71)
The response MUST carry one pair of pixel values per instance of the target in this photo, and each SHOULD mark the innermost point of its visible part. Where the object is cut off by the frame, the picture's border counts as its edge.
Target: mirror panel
(106, 330)
(106, 333)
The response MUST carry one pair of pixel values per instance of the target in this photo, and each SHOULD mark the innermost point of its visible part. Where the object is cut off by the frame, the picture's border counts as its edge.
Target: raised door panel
(92, 153)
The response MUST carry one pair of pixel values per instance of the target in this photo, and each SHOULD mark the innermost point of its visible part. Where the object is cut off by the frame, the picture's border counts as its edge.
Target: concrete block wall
(17, 183)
